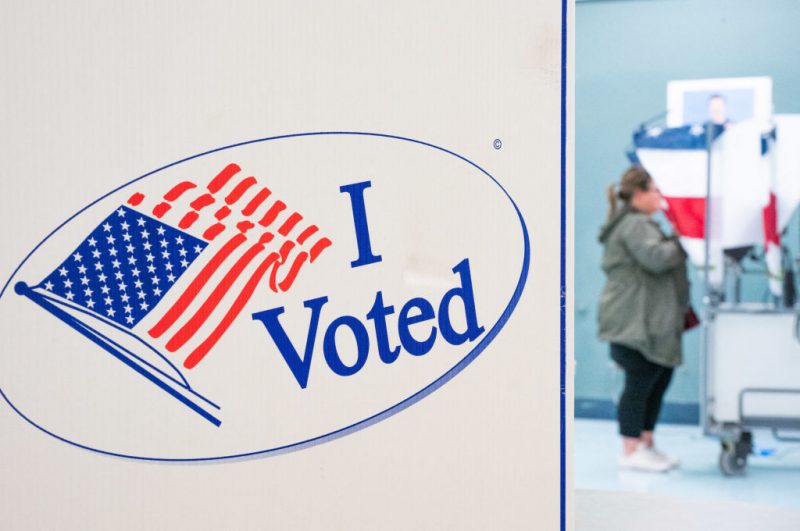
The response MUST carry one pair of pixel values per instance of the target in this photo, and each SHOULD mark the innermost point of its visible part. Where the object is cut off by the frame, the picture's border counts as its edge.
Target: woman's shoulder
(634, 220)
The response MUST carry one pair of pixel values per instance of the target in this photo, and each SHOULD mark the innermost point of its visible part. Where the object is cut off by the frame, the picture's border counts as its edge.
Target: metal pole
(707, 295)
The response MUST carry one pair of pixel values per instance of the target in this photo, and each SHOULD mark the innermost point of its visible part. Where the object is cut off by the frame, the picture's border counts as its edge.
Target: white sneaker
(644, 460)
(673, 461)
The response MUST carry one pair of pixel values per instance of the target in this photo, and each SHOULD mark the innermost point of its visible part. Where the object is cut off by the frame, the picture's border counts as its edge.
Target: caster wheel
(732, 464)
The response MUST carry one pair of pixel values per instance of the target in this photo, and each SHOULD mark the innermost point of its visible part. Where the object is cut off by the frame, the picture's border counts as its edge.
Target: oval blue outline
(360, 425)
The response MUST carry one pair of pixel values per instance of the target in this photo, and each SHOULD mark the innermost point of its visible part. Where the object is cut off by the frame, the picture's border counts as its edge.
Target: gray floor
(772, 478)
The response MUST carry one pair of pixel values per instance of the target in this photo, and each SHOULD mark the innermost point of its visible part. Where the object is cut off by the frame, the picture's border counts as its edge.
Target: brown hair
(634, 178)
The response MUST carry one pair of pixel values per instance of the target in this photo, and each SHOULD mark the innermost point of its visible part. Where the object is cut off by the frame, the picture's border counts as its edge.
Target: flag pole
(21, 288)
(707, 291)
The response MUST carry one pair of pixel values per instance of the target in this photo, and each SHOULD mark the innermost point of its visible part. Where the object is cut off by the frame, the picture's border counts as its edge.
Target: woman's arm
(650, 248)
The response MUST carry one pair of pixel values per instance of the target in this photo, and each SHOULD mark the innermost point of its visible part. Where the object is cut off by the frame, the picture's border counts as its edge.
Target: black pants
(645, 385)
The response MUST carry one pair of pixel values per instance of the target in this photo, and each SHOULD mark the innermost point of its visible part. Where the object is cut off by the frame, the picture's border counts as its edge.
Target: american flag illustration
(176, 270)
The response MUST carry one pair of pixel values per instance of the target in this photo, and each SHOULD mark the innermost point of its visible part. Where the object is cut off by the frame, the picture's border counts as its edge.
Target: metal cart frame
(735, 432)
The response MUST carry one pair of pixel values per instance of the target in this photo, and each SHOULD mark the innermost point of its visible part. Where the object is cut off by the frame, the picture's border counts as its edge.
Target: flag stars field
(100, 246)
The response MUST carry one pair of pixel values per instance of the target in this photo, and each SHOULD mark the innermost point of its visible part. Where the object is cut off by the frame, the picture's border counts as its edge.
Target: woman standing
(641, 312)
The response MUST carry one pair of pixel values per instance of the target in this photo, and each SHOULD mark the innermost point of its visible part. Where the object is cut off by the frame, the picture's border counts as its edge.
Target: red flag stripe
(178, 190)
(213, 231)
(294, 270)
(306, 234)
(223, 177)
(188, 220)
(245, 225)
(770, 218)
(272, 213)
(202, 201)
(222, 213)
(289, 224)
(186, 298)
(136, 199)
(240, 189)
(284, 251)
(202, 314)
(318, 247)
(233, 312)
(689, 215)
(160, 209)
(254, 203)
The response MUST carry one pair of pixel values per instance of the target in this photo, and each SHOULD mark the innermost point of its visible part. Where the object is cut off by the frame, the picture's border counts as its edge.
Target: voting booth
(729, 171)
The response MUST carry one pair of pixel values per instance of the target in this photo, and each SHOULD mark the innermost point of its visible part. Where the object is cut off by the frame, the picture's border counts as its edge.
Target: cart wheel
(732, 464)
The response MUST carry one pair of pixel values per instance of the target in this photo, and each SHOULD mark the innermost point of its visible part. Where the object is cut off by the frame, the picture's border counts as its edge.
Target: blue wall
(626, 52)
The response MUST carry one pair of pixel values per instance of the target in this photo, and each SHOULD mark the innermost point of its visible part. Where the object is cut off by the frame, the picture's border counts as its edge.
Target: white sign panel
(314, 253)
(719, 100)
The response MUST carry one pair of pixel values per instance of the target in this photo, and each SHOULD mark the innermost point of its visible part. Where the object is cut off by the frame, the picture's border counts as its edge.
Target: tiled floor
(771, 479)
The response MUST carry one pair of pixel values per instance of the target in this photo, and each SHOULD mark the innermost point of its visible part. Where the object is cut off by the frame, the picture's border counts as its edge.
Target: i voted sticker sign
(261, 297)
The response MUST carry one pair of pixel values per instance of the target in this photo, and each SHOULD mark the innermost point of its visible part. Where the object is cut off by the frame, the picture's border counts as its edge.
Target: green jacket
(647, 292)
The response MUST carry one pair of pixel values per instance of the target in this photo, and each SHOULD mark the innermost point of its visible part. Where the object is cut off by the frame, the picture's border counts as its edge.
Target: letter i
(356, 192)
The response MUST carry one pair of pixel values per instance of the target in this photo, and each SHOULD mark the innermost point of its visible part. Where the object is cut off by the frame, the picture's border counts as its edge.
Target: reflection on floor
(772, 476)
